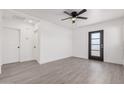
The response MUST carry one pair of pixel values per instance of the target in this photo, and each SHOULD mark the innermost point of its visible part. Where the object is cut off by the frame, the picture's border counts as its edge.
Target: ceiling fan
(75, 15)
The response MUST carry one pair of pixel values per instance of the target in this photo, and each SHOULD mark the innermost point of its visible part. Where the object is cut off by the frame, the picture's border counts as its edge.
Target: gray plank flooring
(66, 71)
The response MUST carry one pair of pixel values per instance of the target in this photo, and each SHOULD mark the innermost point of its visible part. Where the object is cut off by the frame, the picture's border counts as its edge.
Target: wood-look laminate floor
(66, 71)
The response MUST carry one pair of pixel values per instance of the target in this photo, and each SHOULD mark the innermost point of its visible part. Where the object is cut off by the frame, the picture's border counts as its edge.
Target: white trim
(41, 63)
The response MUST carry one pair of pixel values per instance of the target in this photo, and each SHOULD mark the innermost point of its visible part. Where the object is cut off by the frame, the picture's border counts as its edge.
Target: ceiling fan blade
(82, 11)
(67, 13)
(66, 18)
(81, 17)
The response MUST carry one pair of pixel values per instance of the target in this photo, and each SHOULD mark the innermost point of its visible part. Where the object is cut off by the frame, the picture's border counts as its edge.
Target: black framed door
(96, 45)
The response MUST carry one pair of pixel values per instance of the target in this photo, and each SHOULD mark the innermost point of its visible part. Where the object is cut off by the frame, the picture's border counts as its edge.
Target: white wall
(123, 44)
(113, 41)
(55, 42)
(0, 39)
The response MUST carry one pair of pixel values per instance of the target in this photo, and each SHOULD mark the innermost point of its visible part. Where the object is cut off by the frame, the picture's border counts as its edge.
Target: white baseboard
(26, 60)
(53, 60)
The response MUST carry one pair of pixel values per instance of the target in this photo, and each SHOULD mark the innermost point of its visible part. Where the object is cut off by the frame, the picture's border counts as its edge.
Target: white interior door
(10, 45)
(35, 45)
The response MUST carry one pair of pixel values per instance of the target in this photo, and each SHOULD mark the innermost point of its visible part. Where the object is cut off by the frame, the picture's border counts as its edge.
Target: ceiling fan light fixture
(74, 19)
(75, 15)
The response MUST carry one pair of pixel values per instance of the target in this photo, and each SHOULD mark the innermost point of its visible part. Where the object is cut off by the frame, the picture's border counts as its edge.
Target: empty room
(62, 46)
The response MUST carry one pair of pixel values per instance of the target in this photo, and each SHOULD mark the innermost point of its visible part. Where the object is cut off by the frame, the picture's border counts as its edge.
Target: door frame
(101, 58)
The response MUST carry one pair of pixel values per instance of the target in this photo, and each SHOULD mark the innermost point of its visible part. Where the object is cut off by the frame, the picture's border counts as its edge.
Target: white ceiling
(55, 15)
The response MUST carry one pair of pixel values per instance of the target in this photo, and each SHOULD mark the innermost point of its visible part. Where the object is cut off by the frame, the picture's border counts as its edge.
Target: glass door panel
(95, 35)
(95, 53)
(95, 47)
(95, 41)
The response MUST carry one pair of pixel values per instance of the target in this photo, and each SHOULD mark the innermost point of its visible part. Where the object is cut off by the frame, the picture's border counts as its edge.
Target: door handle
(18, 47)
